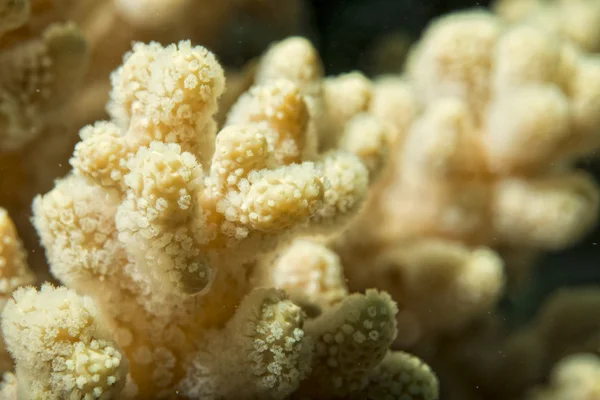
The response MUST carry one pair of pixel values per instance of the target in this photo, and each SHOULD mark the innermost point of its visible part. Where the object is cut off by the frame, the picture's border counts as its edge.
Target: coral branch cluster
(495, 116)
(576, 20)
(171, 227)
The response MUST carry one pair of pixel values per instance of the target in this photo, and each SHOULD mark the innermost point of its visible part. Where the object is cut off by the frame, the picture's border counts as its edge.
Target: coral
(42, 64)
(576, 20)
(488, 123)
(310, 273)
(14, 272)
(8, 386)
(439, 285)
(348, 345)
(69, 352)
(171, 230)
(55, 61)
(575, 377)
(121, 22)
(401, 376)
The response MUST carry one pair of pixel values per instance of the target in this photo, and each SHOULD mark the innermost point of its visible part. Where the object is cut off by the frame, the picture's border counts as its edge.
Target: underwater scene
(300, 199)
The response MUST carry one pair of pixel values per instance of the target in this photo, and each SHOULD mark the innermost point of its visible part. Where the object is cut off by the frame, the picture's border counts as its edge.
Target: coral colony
(281, 234)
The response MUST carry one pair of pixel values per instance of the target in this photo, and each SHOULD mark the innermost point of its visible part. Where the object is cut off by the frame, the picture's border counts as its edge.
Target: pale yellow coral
(310, 273)
(168, 181)
(401, 376)
(168, 94)
(263, 346)
(438, 284)
(547, 212)
(296, 60)
(575, 377)
(486, 126)
(367, 137)
(394, 104)
(8, 386)
(101, 155)
(344, 96)
(455, 58)
(14, 272)
(576, 20)
(351, 338)
(517, 120)
(279, 109)
(69, 351)
(163, 224)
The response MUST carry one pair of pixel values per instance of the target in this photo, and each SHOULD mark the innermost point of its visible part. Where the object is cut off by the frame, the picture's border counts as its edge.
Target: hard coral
(171, 229)
(575, 377)
(42, 64)
(14, 272)
(494, 118)
(69, 352)
(576, 20)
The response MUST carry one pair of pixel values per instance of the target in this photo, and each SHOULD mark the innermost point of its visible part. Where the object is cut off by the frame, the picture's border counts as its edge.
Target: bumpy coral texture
(576, 20)
(401, 376)
(494, 117)
(168, 226)
(14, 272)
(492, 92)
(69, 352)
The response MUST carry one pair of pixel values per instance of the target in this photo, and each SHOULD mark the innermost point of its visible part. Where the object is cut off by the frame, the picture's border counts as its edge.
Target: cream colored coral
(575, 377)
(310, 273)
(534, 116)
(163, 224)
(280, 110)
(394, 104)
(546, 212)
(367, 137)
(238, 151)
(263, 346)
(344, 96)
(168, 181)
(502, 104)
(14, 271)
(455, 58)
(296, 60)
(485, 127)
(401, 376)
(575, 20)
(8, 386)
(168, 94)
(439, 285)
(69, 351)
(351, 338)
(101, 155)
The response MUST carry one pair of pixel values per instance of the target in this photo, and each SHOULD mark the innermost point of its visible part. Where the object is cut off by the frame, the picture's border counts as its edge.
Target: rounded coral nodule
(61, 346)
